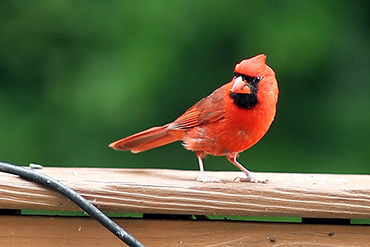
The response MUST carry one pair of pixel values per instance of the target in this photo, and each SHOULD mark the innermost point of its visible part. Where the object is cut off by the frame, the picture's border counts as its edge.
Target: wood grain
(177, 192)
(45, 231)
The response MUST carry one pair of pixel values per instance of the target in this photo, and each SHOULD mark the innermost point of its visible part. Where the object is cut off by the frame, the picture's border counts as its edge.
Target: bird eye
(257, 79)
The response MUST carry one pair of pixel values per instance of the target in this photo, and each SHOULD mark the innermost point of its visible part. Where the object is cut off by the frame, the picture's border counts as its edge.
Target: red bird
(230, 120)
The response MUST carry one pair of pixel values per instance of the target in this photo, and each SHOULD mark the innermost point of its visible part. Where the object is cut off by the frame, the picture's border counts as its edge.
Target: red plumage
(227, 122)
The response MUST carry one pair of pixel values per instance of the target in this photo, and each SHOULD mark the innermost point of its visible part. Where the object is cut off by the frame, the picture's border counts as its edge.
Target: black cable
(84, 204)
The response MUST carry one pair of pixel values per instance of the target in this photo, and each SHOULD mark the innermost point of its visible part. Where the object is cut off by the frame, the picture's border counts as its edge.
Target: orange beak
(240, 86)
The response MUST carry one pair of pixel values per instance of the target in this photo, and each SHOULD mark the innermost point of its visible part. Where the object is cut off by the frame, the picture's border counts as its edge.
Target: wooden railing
(313, 197)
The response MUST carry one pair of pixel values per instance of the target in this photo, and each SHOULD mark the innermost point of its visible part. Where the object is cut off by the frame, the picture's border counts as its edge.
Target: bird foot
(251, 179)
(205, 179)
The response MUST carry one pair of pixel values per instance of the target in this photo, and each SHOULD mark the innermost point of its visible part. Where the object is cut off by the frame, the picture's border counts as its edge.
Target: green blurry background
(76, 75)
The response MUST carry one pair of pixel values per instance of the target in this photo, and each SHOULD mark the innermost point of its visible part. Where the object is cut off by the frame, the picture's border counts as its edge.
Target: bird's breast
(237, 131)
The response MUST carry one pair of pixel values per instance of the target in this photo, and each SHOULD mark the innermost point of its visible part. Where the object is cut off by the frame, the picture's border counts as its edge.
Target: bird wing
(207, 110)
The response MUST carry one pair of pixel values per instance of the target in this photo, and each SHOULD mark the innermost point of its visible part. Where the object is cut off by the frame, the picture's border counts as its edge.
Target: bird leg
(202, 176)
(249, 175)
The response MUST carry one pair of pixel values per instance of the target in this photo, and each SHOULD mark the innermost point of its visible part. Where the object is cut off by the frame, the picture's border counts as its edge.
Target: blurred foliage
(76, 75)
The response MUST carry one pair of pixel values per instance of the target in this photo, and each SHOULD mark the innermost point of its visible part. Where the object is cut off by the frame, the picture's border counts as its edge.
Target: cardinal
(230, 120)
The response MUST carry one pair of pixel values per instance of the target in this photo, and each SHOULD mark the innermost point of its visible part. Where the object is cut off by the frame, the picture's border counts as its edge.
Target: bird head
(248, 73)
(251, 76)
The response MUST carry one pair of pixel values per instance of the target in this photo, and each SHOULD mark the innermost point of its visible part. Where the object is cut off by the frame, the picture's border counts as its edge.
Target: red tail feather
(144, 140)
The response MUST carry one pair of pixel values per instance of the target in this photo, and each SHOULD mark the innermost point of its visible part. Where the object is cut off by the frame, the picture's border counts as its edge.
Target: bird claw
(205, 179)
(251, 179)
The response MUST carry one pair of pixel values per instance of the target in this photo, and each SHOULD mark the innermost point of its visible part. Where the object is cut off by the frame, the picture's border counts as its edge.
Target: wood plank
(177, 192)
(36, 231)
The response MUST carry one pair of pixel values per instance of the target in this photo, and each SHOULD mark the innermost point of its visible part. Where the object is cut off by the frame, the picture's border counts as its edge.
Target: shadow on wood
(77, 231)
